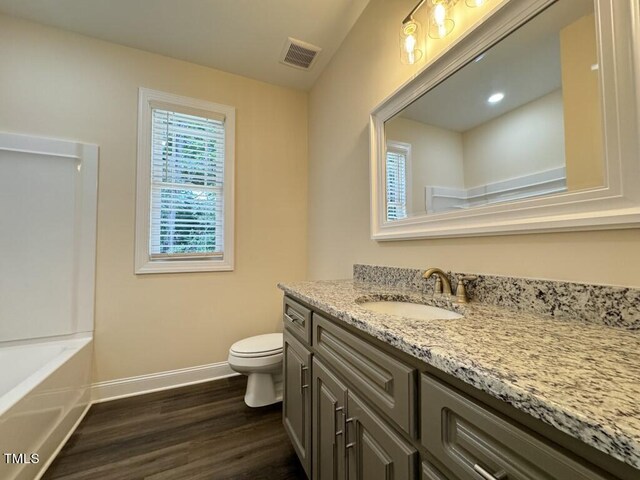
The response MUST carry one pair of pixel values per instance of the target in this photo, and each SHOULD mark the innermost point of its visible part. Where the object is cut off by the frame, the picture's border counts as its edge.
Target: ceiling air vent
(299, 54)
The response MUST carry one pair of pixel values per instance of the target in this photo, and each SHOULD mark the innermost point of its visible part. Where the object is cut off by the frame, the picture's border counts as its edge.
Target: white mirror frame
(615, 205)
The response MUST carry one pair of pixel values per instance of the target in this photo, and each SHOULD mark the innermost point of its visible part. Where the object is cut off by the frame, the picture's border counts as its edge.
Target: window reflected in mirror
(521, 120)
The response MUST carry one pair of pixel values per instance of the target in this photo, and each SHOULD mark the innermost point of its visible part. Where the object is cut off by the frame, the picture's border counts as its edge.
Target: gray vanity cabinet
(296, 398)
(357, 411)
(329, 399)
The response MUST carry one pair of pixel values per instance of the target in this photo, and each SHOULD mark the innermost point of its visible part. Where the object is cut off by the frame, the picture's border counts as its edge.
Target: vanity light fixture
(496, 97)
(440, 25)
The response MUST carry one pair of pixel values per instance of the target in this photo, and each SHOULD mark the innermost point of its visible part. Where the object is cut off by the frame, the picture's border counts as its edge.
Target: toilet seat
(263, 363)
(266, 345)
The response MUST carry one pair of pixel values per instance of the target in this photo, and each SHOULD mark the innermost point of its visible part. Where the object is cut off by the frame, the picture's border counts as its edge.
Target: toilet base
(263, 389)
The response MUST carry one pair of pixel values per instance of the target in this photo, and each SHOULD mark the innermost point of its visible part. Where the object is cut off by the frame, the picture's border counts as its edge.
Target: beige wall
(364, 71)
(526, 140)
(583, 132)
(436, 158)
(63, 85)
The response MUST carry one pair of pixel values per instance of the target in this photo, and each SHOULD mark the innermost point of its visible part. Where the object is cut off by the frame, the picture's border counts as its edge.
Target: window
(184, 214)
(396, 169)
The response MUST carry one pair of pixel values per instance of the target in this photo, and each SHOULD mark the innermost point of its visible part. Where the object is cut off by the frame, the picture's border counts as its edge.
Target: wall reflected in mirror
(521, 120)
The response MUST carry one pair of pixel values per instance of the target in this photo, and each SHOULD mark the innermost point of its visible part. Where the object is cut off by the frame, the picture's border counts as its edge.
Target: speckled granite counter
(581, 378)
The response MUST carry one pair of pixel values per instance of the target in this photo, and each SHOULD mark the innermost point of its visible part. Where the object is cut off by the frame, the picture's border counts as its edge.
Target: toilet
(260, 358)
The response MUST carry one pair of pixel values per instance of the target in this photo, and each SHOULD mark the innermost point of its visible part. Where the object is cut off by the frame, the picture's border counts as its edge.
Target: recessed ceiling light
(496, 97)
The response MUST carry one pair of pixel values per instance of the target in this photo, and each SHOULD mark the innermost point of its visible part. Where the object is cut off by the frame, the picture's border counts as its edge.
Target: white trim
(47, 464)
(143, 262)
(615, 205)
(154, 382)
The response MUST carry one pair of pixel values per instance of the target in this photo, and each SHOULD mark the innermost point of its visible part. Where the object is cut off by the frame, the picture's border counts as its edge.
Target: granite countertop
(582, 378)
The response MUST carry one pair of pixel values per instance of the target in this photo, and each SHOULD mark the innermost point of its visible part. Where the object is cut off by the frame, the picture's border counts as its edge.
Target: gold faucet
(446, 284)
(443, 285)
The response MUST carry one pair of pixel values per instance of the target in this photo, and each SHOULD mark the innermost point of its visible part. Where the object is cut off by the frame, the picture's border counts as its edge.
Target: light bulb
(409, 35)
(440, 24)
(439, 14)
(410, 47)
(410, 44)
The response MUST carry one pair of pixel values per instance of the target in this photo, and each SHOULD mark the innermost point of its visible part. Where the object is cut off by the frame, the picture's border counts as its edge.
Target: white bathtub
(44, 393)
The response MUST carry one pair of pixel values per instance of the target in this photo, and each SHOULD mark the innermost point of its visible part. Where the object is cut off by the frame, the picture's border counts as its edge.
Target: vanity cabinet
(296, 397)
(357, 409)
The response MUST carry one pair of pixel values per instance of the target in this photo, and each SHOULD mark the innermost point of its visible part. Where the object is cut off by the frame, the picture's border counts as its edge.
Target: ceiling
(245, 37)
(524, 66)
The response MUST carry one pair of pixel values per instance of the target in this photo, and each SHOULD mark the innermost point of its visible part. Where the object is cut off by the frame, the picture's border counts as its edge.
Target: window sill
(183, 266)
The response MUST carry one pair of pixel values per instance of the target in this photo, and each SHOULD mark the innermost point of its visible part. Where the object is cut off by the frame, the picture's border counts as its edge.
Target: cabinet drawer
(297, 319)
(475, 443)
(387, 383)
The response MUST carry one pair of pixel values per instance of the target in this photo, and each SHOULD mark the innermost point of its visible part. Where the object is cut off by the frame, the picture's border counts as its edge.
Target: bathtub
(44, 393)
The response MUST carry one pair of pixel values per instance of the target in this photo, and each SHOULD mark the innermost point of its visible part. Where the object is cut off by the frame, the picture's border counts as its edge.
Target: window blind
(396, 173)
(187, 181)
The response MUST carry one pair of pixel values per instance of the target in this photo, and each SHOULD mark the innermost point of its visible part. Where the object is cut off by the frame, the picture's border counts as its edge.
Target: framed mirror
(527, 123)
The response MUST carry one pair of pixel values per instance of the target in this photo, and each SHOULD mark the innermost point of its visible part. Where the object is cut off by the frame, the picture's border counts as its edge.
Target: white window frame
(147, 100)
(404, 149)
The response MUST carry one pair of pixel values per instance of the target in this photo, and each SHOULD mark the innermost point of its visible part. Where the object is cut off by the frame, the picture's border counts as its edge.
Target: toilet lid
(258, 346)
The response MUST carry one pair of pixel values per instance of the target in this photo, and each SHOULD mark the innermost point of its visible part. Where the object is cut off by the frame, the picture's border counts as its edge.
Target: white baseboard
(154, 382)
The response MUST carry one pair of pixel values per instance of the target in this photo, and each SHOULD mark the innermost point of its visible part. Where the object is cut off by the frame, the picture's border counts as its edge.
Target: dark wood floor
(198, 432)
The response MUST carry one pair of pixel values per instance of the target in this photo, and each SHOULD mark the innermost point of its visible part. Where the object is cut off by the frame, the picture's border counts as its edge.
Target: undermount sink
(417, 311)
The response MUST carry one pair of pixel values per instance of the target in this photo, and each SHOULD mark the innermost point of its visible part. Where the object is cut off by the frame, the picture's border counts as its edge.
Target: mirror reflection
(520, 120)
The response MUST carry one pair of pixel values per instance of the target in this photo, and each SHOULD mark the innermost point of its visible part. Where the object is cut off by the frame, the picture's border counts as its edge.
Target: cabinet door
(296, 408)
(329, 396)
(374, 450)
